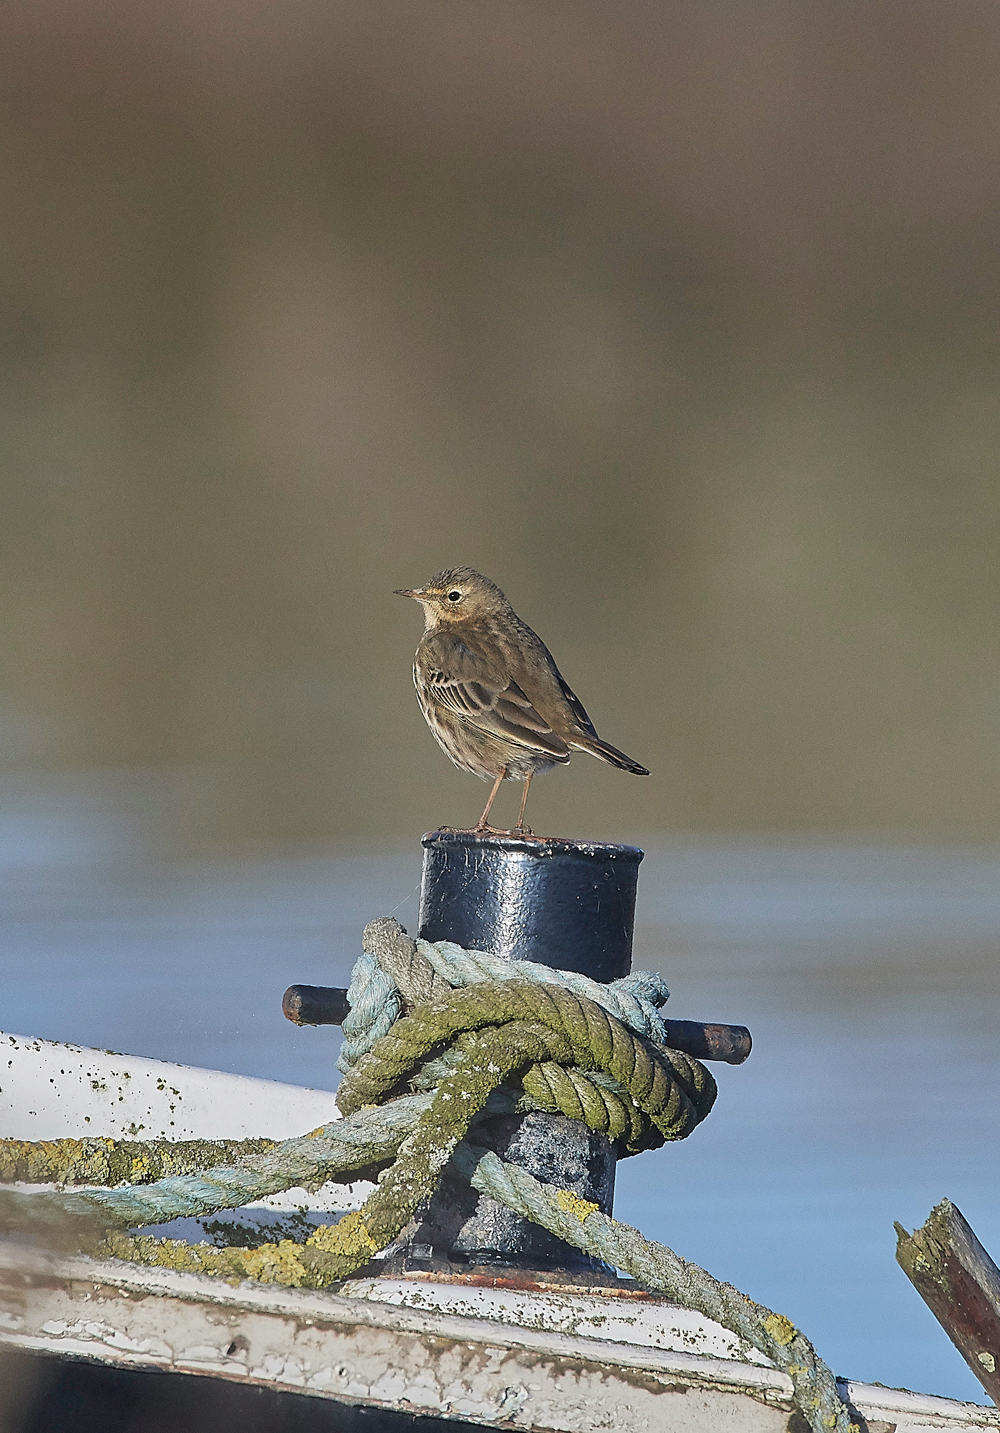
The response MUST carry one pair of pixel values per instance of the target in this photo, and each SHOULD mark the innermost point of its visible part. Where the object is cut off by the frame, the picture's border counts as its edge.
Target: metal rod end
(315, 1005)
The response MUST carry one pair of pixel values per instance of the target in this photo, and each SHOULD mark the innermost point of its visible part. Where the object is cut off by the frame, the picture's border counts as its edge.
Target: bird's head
(458, 595)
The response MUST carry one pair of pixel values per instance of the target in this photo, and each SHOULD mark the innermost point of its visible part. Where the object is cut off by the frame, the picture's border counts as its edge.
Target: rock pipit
(494, 699)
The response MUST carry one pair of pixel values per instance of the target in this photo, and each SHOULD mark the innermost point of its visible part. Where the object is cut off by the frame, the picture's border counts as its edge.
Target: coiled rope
(569, 1044)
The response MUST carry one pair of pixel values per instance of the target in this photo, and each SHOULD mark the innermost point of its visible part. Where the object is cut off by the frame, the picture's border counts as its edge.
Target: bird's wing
(547, 685)
(579, 711)
(473, 688)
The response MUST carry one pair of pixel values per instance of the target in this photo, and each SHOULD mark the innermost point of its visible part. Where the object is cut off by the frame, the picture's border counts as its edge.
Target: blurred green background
(678, 321)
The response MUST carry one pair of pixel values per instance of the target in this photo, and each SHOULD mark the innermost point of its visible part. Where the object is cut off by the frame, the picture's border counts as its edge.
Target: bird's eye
(454, 596)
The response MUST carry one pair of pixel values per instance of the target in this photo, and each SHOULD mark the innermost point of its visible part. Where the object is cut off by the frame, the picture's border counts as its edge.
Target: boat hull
(490, 1351)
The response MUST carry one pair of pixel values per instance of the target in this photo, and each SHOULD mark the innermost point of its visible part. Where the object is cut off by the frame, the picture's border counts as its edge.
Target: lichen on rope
(415, 1085)
(99, 1160)
(344, 1150)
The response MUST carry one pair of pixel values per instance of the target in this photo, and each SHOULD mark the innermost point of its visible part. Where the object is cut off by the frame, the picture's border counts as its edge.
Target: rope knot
(547, 1037)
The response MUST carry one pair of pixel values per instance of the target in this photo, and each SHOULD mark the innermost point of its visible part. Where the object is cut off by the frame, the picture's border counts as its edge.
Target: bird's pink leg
(483, 823)
(524, 801)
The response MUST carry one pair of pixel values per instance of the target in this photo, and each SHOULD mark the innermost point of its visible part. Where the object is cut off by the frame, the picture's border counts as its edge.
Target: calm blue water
(869, 973)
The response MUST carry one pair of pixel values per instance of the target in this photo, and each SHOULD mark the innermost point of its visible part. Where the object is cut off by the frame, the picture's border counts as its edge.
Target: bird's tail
(609, 753)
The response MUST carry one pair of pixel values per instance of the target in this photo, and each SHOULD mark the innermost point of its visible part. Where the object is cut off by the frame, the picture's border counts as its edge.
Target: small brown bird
(494, 699)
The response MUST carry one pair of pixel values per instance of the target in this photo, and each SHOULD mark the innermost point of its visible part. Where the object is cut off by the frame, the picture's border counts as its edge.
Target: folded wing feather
(468, 686)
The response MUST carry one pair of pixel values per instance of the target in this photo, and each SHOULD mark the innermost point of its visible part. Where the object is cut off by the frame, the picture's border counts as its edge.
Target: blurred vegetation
(680, 322)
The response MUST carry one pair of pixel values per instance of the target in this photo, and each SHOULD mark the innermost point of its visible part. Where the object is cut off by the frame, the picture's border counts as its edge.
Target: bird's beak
(414, 592)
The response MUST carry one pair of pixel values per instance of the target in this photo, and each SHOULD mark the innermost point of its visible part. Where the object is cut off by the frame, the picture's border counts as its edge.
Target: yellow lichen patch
(109, 1162)
(176, 1254)
(349, 1238)
(139, 1170)
(279, 1263)
(782, 1330)
(330, 1254)
(271, 1264)
(571, 1203)
(47, 1161)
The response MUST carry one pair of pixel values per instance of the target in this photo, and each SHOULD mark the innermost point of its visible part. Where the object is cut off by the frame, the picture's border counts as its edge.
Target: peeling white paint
(619, 1318)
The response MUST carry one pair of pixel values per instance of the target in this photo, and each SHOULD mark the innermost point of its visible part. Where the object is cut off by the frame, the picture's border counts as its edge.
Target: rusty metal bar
(729, 1043)
(315, 1005)
(327, 1005)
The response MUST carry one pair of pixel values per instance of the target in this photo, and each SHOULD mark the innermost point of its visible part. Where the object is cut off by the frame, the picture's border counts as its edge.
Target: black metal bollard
(568, 904)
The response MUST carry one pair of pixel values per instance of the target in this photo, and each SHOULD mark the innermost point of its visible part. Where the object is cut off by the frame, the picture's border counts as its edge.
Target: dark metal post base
(568, 904)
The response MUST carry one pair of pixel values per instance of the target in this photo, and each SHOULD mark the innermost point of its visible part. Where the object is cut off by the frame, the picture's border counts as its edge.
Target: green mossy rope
(561, 1089)
(673, 1090)
(344, 1150)
(499, 1030)
(110, 1162)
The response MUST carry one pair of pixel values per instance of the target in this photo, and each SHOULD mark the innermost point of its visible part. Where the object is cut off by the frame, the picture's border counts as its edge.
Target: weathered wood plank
(960, 1284)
